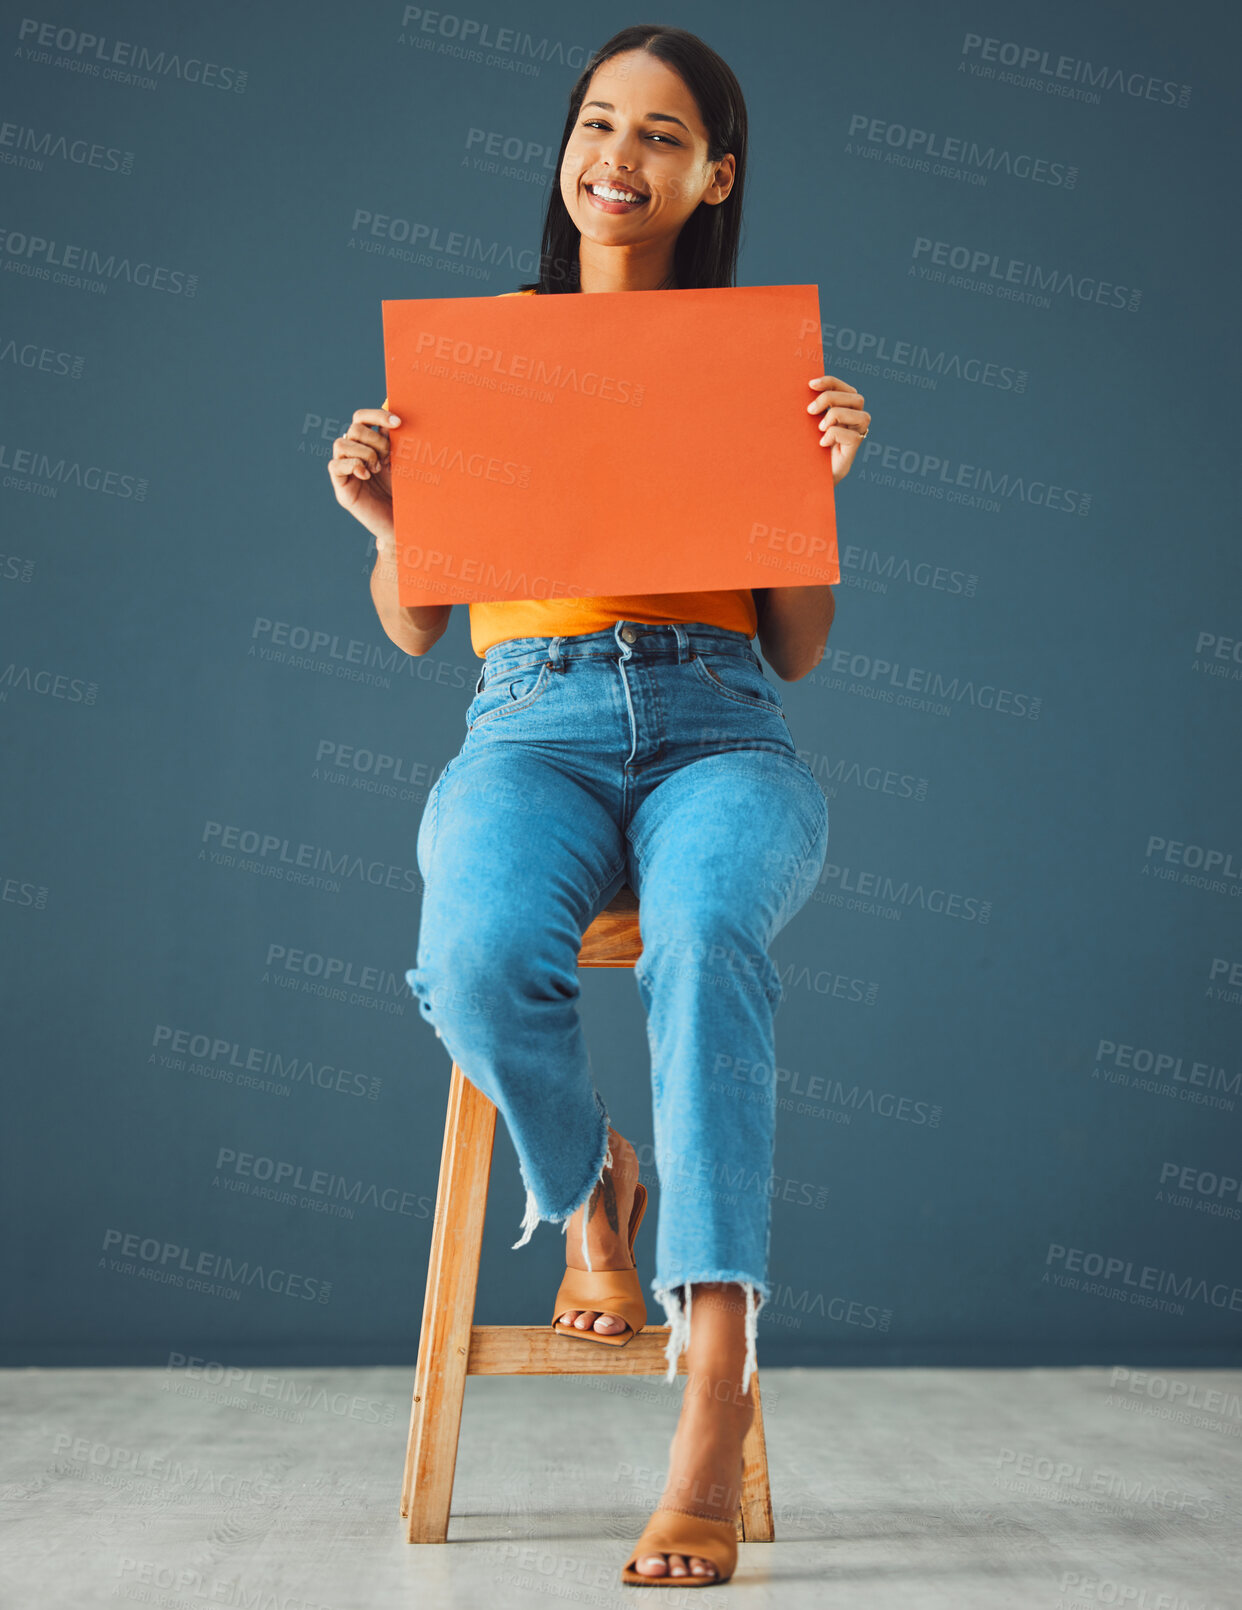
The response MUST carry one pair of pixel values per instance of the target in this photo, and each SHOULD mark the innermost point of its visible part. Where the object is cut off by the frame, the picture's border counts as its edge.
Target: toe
(677, 1565)
(610, 1323)
(651, 1565)
(585, 1319)
(701, 1567)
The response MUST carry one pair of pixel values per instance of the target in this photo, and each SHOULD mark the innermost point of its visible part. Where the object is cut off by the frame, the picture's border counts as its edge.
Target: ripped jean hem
(603, 1160)
(678, 1312)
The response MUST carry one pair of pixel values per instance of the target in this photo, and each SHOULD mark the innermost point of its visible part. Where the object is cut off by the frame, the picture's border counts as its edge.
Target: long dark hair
(706, 250)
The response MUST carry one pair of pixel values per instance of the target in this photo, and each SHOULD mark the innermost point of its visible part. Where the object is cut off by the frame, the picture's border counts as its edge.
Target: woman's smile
(611, 199)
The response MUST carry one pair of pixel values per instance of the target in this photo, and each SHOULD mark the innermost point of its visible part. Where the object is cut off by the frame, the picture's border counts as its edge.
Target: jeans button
(628, 634)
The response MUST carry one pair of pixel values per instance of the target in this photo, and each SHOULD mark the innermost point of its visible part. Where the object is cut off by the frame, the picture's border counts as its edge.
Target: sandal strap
(671, 1531)
(603, 1291)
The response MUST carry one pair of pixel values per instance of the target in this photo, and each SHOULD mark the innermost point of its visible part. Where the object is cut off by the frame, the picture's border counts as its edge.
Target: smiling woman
(631, 740)
(660, 118)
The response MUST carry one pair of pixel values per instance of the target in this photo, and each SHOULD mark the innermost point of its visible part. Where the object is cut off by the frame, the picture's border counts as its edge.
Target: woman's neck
(614, 269)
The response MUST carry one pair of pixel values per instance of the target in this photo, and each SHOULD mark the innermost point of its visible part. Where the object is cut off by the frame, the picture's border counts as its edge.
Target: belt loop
(554, 654)
(684, 651)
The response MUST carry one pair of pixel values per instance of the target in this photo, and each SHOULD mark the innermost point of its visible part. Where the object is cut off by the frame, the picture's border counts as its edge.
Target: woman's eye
(597, 123)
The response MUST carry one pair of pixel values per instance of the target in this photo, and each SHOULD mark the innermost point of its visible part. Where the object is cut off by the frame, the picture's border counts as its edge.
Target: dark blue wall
(1011, 1042)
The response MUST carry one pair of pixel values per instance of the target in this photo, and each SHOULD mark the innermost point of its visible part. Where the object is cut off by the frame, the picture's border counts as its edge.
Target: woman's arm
(413, 627)
(794, 623)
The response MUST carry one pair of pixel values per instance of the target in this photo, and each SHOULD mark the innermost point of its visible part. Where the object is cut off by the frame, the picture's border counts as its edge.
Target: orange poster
(621, 442)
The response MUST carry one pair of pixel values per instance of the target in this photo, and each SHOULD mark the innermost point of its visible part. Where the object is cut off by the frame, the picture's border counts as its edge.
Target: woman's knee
(478, 976)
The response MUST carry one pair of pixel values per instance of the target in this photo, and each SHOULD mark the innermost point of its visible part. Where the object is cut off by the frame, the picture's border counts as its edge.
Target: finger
(375, 417)
(367, 459)
(835, 399)
(845, 435)
(370, 435)
(342, 465)
(846, 416)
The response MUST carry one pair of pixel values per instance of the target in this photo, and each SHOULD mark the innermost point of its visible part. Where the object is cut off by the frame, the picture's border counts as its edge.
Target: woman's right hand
(360, 467)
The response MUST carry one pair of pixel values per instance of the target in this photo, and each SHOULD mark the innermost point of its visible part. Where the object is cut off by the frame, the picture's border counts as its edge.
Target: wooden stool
(451, 1346)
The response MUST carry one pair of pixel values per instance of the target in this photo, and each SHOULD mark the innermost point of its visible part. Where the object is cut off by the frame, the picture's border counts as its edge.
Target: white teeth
(607, 193)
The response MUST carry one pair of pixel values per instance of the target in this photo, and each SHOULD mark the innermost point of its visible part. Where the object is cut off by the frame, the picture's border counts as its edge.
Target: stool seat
(613, 939)
(451, 1346)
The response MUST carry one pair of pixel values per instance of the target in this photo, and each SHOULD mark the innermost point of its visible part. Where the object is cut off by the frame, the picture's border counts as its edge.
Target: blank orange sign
(616, 442)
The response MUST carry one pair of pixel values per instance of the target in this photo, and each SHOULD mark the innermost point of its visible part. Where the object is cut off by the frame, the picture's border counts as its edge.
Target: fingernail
(394, 419)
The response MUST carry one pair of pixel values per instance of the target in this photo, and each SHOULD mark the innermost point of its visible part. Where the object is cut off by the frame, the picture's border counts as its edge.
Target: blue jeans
(657, 756)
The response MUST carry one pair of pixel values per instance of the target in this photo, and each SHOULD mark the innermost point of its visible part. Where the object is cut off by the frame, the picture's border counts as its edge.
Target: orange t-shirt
(573, 617)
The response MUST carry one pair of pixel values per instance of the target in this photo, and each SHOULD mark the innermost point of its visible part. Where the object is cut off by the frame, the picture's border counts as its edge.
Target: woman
(631, 739)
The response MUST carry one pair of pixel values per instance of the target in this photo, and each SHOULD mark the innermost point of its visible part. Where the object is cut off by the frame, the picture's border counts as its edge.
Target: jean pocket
(507, 692)
(733, 676)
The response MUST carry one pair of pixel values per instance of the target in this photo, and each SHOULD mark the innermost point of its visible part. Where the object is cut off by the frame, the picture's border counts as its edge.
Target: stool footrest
(538, 1350)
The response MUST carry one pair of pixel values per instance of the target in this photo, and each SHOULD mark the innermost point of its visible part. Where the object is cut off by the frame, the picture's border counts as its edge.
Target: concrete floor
(962, 1489)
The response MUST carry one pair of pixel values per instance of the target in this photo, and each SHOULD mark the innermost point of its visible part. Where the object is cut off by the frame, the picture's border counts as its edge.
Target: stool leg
(754, 1518)
(448, 1311)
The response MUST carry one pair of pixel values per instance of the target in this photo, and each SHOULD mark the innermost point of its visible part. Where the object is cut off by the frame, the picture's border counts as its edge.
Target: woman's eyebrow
(654, 117)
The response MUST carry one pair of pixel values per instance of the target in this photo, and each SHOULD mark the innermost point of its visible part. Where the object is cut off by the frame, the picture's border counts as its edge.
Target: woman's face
(646, 139)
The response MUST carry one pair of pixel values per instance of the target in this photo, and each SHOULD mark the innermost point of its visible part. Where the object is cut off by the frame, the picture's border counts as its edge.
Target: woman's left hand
(844, 423)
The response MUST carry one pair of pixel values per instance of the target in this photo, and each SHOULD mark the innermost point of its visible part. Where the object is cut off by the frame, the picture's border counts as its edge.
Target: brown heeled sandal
(671, 1531)
(606, 1291)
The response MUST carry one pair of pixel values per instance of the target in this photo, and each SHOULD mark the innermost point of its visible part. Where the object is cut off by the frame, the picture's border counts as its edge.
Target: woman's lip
(611, 206)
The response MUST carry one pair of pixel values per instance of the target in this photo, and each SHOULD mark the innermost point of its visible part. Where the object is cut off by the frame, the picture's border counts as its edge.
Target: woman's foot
(608, 1232)
(705, 1459)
